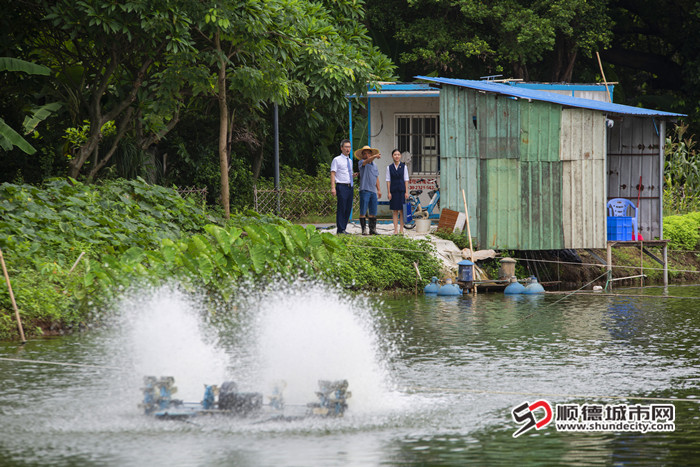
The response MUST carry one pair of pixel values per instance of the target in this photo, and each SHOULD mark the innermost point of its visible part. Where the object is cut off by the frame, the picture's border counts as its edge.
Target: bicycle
(415, 210)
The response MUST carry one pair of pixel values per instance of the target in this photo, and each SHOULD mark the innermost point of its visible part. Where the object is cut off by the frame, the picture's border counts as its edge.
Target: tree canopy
(181, 92)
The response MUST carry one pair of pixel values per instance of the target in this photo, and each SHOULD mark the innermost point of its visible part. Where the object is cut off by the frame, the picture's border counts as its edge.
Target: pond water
(434, 380)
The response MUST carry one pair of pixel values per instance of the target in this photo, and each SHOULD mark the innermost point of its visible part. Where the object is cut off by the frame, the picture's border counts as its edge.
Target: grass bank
(129, 232)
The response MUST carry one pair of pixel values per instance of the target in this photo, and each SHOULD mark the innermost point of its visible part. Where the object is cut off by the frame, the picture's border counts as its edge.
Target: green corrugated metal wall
(541, 176)
(499, 202)
(505, 154)
(459, 161)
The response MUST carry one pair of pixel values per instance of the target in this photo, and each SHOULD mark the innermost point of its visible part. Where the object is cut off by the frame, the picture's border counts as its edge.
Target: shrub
(44, 230)
(682, 231)
(458, 238)
(384, 262)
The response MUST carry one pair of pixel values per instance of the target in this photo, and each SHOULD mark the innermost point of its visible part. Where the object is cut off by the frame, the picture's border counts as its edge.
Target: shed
(407, 116)
(538, 168)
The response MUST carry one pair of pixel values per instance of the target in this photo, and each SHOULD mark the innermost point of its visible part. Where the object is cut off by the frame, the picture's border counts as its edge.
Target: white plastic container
(422, 226)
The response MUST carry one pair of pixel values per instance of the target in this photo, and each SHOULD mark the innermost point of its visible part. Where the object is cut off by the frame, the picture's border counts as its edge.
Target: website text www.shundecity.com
(594, 417)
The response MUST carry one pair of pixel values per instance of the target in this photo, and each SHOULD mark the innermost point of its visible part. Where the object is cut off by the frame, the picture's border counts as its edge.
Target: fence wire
(298, 204)
(200, 194)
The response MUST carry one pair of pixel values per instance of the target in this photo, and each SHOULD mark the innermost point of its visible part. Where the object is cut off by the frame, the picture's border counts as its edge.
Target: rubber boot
(363, 224)
(373, 226)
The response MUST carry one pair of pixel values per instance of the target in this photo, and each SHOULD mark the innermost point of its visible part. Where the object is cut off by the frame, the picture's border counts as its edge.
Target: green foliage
(126, 63)
(77, 136)
(218, 259)
(14, 64)
(681, 172)
(131, 232)
(117, 215)
(9, 138)
(458, 238)
(682, 231)
(470, 38)
(384, 262)
(44, 230)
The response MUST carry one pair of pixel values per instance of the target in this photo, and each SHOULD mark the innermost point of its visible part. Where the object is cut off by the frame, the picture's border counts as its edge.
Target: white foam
(163, 336)
(309, 334)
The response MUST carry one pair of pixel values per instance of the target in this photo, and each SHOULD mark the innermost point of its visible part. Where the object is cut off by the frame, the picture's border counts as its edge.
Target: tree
(655, 54)
(113, 59)
(471, 38)
(284, 51)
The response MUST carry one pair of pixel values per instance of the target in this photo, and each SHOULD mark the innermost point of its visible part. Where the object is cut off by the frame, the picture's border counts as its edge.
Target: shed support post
(641, 264)
(665, 264)
(609, 265)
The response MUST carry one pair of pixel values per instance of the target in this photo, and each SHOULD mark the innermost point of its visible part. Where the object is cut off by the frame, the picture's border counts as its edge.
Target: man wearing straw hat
(341, 186)
(370, 190)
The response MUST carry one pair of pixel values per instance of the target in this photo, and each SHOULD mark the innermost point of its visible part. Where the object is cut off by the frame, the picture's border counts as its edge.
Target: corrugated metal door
(583, 178)
(540, 170)
(498, 123)
(499, 201)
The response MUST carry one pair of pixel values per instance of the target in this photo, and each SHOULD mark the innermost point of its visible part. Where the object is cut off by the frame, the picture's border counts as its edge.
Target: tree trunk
(565, 59)
(520, 71)
(84, 153)
(223, 129)
(91, 146)
(126, 120)
(257, 161)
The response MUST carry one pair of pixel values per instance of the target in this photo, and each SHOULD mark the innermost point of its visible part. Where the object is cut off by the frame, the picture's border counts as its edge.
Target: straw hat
(358, 153)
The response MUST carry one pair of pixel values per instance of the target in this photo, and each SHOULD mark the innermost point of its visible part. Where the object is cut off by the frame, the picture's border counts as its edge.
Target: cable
(605, 266)
(541, 260)
(531, 394)
(43, 362)
(602, 294)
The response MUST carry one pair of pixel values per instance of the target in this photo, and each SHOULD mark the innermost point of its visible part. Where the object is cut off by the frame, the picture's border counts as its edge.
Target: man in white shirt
(342, 186)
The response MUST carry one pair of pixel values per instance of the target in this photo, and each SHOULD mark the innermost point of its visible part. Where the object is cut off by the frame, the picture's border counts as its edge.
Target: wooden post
(76, 263)
(12, 298)
(609, 265)
(602, 73)
(665, 264)
(418, 276)
(469, 232)
(641, 264)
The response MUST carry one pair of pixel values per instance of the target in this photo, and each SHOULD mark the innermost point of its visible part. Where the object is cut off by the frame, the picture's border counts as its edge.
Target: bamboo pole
(12, 298)
(605, 81)
(418, 276)
(76, 263)
(469, 233)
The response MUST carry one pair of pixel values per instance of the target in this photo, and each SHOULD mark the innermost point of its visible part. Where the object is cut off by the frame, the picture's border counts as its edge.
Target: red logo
(524, 415)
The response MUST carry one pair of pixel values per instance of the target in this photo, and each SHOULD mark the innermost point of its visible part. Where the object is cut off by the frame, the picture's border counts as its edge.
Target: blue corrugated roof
(569, 101)
(398, 90)
(404, 87)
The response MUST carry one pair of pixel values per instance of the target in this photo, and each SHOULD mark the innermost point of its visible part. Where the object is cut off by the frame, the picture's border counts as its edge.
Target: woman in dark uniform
(397, 186)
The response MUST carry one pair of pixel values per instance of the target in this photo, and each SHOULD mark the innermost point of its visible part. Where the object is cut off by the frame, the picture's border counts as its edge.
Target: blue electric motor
(514, 287)
(533, 287)
(449, 289)
(433, 287)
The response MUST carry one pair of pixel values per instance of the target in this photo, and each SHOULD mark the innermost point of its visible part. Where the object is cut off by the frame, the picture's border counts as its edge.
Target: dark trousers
(344, 194)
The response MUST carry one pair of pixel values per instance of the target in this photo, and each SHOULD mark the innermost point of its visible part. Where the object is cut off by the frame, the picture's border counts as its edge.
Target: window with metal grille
(419, 136)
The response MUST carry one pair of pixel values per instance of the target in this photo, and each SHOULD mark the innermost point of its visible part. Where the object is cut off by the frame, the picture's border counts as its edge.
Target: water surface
(434, 380)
